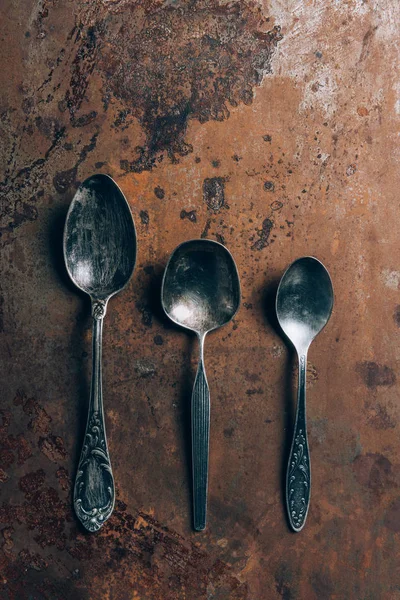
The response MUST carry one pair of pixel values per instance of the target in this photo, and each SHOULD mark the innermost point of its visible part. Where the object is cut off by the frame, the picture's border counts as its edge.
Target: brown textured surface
(278, 143)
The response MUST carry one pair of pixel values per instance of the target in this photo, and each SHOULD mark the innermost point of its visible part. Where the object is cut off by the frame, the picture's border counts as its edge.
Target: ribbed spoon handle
(200, 443)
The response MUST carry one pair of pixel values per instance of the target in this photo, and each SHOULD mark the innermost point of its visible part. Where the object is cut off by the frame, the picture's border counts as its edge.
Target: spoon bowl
(304, 305)
(100, 255)
(201, 292)
(99, 238)
(200, 289)
(304, 301)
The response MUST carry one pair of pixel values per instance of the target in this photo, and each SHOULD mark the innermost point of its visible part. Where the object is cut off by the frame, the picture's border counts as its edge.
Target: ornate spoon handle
(298, 477)
(200, 443)
(94, 493)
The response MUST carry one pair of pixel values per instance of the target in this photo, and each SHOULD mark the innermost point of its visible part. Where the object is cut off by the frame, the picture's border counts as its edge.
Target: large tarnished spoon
(304, 304)
(201, 292)
(100, 254)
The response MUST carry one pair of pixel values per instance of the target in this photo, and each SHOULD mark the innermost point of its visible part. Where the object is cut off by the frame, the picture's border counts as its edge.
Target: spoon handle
(94, 493)
(298, 476)
(200, 442)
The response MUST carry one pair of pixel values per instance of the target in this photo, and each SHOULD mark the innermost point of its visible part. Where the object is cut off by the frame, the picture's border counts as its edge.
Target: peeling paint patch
(391, 279)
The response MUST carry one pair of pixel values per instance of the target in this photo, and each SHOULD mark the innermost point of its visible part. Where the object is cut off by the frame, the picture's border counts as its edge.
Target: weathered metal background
(278, 143)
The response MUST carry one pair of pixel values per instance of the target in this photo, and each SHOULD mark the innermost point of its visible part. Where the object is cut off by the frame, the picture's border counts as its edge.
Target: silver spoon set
(200, 292)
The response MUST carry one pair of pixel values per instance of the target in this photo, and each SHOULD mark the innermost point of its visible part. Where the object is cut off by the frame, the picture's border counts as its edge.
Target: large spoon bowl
(304, 305)
(100, 254)
(201, 289)
(201, 292)
(100, 238)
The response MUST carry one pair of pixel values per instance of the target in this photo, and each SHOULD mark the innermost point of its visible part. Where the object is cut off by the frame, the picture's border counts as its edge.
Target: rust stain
(263, 235)
(173, 63)
(147, 313)
(362, 111)
(159, 192)
(374, 471)
(214, 193)
(40, 423)
(396, 315)
(137, 540)
(375, 375)
(378, 416)
(392, 517)
(144, 217)
(269, 186)
(190, 214)
(52, 447)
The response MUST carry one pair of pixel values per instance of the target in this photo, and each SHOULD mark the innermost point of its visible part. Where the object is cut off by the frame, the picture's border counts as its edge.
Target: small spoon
(304, 304)
(100, 254)
(201, 292)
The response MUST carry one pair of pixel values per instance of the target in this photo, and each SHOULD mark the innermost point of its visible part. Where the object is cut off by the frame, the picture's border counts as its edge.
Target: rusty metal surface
(278, 143)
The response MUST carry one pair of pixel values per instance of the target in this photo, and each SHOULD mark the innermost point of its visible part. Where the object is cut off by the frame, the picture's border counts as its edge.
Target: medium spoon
(201, 292)
(100, 254)
(304, 304)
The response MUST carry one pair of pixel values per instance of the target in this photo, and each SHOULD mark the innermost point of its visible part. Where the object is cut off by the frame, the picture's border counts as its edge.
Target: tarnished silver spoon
(100, 255)
(304, 304)
(201, 292)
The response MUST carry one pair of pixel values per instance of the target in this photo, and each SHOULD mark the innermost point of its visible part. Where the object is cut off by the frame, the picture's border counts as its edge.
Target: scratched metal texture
(277, 143)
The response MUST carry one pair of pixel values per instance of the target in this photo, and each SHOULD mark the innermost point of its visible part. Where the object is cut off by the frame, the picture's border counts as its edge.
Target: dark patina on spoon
(201, 292)
(100, 255)
(304, 304)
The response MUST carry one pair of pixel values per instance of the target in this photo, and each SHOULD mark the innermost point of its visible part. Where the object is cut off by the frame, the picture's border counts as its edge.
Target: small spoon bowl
(304, 305)
(304, 301)
(100, 255)
(201, 292)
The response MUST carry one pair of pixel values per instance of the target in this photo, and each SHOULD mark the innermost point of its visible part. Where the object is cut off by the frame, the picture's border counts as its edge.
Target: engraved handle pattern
(200, 443)
(94, 492)
(298, 478)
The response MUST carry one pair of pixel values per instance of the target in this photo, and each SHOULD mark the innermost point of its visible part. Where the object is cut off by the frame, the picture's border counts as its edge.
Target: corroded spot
(31, 482)
(53, 447)
(147, 315)
(269, 186)
(263, 234)
(172, 62)
(373, 471)
(190, 215)
(159, 192)
(392, 517)
(144, 217)
(63, 180)
(214, 192)
(375, 375)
